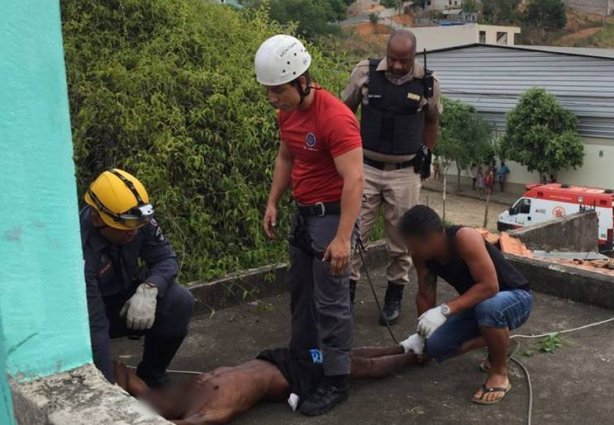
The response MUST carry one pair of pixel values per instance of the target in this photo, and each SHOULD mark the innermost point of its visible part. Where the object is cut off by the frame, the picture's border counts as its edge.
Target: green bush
(499, 12)
(546, 14)
(166, 90)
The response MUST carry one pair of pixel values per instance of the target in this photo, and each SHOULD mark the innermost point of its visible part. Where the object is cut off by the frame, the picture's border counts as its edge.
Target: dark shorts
(303, 372)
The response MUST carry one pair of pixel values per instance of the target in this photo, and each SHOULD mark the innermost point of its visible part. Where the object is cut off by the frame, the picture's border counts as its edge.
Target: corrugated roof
(572, 51)
(493, 77)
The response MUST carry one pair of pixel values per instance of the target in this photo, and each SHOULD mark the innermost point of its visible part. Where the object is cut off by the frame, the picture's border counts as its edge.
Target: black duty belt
(320, 209)
(380, 165)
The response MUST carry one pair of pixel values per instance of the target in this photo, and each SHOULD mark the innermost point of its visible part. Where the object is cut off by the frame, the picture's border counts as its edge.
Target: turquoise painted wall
(42, 291)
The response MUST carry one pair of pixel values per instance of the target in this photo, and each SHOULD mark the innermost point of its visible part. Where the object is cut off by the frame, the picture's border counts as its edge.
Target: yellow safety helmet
(120, 199)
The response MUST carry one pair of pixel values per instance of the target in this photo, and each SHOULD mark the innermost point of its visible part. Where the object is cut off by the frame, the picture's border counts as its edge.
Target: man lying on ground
(493, 299)
(276, 375)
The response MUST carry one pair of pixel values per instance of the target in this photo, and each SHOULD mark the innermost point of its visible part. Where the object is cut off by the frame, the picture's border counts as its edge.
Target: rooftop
(570, 386)
(572, 51)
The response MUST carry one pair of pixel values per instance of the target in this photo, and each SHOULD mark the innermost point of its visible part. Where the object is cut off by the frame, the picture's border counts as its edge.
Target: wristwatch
(445, 310)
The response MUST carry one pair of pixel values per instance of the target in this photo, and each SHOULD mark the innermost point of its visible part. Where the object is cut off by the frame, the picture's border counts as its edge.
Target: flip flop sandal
(487, 390)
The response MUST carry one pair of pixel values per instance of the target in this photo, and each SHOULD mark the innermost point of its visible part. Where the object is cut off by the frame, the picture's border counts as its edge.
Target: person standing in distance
(320, 157)
(400, 113)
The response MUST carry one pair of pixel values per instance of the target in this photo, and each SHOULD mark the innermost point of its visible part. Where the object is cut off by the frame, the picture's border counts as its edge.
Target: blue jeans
(507, 309)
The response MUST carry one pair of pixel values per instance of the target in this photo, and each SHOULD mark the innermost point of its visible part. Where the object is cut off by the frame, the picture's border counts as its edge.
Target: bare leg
(472, 344)
(380, 367)
(370, 352)
(497, 340)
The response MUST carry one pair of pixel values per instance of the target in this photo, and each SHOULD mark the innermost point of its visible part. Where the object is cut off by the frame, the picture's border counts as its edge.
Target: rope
(361, 251)
(564, 331)
(180, 372)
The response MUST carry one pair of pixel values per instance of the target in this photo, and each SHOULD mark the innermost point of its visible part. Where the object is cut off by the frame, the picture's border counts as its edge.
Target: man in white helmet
(320, 157)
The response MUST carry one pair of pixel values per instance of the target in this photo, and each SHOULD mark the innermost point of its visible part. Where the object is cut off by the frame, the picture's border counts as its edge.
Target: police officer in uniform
(320, 158)
(400, 112)
(118, 231)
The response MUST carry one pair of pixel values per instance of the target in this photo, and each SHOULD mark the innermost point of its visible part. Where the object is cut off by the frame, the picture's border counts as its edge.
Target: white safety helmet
(281, 59)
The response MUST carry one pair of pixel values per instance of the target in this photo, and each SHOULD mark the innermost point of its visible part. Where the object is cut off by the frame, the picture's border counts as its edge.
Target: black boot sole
(324, 410)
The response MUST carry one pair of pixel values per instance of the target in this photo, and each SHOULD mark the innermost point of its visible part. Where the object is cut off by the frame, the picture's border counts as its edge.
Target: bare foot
(494, 381)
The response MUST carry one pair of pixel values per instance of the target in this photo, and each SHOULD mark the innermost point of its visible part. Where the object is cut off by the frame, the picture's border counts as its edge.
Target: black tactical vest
(391, 123)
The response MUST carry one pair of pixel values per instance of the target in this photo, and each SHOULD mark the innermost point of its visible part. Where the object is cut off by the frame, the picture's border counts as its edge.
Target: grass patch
(602, 39)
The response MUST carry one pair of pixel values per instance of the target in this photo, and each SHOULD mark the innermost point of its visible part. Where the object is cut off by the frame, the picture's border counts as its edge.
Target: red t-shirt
(489, 180)
(315, 136)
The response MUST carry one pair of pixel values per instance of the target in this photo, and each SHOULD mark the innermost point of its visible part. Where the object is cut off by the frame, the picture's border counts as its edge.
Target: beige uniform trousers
(395, 191)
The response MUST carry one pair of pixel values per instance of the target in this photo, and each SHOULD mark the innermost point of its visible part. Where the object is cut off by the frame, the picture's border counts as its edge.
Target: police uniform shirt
(110, 269)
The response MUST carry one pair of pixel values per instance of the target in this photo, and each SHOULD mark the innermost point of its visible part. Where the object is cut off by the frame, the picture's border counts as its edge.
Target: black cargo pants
(320, 302)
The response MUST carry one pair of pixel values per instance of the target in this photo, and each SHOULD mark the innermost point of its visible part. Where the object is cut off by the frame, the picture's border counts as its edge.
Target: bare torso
(218, 396)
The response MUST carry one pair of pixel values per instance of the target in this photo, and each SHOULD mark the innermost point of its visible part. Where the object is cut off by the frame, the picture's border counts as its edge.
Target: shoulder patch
(156, 230)
(158, 234)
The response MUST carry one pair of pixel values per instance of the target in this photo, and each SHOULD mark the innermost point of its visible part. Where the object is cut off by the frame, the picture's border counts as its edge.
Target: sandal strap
(486, 389)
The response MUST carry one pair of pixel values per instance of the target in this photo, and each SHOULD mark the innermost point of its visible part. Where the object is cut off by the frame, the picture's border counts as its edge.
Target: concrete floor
(464, 210)
(572, 386)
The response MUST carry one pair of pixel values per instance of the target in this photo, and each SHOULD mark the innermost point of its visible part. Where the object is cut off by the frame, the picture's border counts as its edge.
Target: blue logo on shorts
(310, 140)
(316, 356)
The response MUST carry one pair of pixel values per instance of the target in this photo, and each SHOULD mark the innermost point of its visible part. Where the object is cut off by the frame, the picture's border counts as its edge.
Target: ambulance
(544, 202)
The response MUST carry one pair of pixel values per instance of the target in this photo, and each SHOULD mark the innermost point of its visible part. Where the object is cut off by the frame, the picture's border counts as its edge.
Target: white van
(543, 202)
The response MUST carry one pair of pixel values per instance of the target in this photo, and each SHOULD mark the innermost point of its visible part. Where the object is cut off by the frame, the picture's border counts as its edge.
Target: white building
(492, 77)
(443, 4)
(440, 37)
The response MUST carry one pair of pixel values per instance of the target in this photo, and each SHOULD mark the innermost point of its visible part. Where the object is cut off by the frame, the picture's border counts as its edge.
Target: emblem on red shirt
(311, 141)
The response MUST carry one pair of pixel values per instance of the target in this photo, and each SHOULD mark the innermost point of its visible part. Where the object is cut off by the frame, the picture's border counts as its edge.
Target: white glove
(430, 321)
(414, 343)
(140, 309)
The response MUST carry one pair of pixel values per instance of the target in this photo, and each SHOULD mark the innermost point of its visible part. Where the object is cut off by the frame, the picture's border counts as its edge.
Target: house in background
(492, 77)
(444, 36)
(458, 16)
(443, 4)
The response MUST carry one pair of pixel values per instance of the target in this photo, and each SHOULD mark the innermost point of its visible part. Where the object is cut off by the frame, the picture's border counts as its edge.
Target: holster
(422, 162)
(299, 237)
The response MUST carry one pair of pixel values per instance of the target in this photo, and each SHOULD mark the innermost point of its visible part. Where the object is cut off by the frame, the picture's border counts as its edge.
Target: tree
(499, 12)
(471, 6)
(542, 135)
(390, 4)
(464, 138)
(546, 14)
(420, 3)
(373, 18)
(313, 17)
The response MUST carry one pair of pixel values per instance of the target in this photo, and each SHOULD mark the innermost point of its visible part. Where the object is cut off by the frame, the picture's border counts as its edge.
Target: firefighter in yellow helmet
(118, 228)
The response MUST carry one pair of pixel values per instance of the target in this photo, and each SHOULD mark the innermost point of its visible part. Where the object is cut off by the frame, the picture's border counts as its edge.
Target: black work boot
(157, 355)
(352, 293)
(392, 304)
(331, 391)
